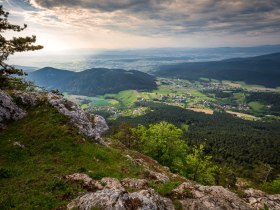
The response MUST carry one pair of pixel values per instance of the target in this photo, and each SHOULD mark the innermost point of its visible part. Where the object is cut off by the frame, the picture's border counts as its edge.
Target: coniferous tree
(8, 73)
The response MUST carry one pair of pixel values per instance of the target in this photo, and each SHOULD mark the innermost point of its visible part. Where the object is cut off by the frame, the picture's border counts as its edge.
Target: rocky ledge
(8, 109)
(130, 194)
(90, 125)
(110, 193)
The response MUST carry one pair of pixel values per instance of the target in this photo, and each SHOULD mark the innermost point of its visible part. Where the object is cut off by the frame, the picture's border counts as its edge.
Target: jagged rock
(29, 98)
(18, 144)
(208, 197)
(88, 124)
(159, 177)
(120, 199)
(112, 194)
(135, 183)
(87, 182)
(111, 183)
(8, 109)
(79, 177)
(257, 199)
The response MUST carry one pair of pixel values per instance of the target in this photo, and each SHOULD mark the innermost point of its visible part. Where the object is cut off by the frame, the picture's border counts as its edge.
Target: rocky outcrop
(258, 199)
(208, 197)
(110, 193)
(8, 109)
(114, 195)
(90, 125)
(29, 98)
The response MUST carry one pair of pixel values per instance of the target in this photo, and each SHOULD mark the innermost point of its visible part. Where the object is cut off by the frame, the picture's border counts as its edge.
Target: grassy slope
(30, 178)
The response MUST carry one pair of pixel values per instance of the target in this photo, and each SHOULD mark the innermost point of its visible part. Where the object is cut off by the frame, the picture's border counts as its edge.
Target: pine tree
(9, 74)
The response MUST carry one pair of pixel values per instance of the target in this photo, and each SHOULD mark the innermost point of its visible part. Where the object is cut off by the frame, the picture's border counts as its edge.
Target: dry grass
(242, 115)
(206, 111)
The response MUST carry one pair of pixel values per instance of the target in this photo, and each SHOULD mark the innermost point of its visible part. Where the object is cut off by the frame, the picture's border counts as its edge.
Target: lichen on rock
(90, 125)
(8, 109)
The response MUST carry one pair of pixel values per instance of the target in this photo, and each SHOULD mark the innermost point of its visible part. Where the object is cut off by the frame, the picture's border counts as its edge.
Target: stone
(85, 180)
(135, 183)
(159, 177)
(258, 199)
(18, 144)
(29, 98)
(79, 177)
(88, 124)
(208, 197)
(8, 109)
(111, 183)
(120, 199)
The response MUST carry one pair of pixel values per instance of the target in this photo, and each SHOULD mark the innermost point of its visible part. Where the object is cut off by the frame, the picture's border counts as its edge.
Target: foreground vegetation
(165, 143)
(228, 139)
(31, 177)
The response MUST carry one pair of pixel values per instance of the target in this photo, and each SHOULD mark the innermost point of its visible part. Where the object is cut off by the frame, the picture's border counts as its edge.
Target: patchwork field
(205, 96)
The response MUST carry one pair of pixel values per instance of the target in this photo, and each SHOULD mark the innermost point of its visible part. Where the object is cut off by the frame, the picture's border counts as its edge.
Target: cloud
(168, 17)
(173, 19)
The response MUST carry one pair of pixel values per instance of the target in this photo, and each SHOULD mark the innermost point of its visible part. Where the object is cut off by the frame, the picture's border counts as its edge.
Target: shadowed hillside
(93, 81)
(261, 70)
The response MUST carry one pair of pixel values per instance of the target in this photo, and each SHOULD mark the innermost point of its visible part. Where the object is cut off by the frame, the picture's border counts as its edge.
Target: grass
(256, 106)
(240, 97)
(31, 177)
(164, 189)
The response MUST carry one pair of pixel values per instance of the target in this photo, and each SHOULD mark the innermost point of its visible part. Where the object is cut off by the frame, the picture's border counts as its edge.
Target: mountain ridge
(259, 70)
(90, 82)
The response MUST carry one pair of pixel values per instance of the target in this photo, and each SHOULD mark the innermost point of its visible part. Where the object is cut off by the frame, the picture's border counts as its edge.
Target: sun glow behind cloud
(62, 25)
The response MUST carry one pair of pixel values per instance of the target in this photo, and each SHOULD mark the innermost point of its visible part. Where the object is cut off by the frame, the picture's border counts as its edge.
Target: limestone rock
(86, 181)
(135, 183)
(257, 199)
(88, 124)
(159, 177)
(113, 194)
(79, 177)
(119, 199)
(111, 183)
(18, 144)
(208, 197)
(8, 109)
(29, 98)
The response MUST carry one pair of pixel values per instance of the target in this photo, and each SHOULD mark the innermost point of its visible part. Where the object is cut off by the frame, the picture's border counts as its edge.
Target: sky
(117, 24)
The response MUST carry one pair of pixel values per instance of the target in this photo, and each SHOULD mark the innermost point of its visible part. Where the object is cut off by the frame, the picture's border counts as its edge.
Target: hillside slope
(260, 70)
(46, 163)
(93, 81)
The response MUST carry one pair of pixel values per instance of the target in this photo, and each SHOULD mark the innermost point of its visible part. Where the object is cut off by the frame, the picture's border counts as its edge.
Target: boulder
(258, 199)
(113, 194)
(29, 98)
(120, 199)
(208, 197)
(88, 124)
(8, 109)
(135, 183)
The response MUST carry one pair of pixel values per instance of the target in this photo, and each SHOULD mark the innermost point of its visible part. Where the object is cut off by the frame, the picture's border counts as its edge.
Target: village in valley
(207, 96)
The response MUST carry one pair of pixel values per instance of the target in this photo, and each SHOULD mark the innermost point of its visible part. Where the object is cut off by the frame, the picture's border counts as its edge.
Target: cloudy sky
(70, 24)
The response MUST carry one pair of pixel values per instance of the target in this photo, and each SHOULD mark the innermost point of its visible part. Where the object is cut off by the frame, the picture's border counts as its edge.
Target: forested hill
(96, 81)
(261, 70)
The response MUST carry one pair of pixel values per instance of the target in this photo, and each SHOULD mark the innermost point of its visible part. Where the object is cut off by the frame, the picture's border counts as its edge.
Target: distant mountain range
(261, 70)
(96, 81)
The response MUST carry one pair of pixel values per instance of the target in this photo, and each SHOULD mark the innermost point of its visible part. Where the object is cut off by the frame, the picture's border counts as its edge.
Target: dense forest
(93, 81)
(229, 139)
(261, 70)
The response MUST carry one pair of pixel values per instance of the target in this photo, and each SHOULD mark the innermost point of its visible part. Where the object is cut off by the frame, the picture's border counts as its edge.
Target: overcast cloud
(256, 20)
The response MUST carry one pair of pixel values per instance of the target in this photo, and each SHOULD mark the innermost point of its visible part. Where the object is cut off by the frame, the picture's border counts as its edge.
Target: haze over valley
(143, 105)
